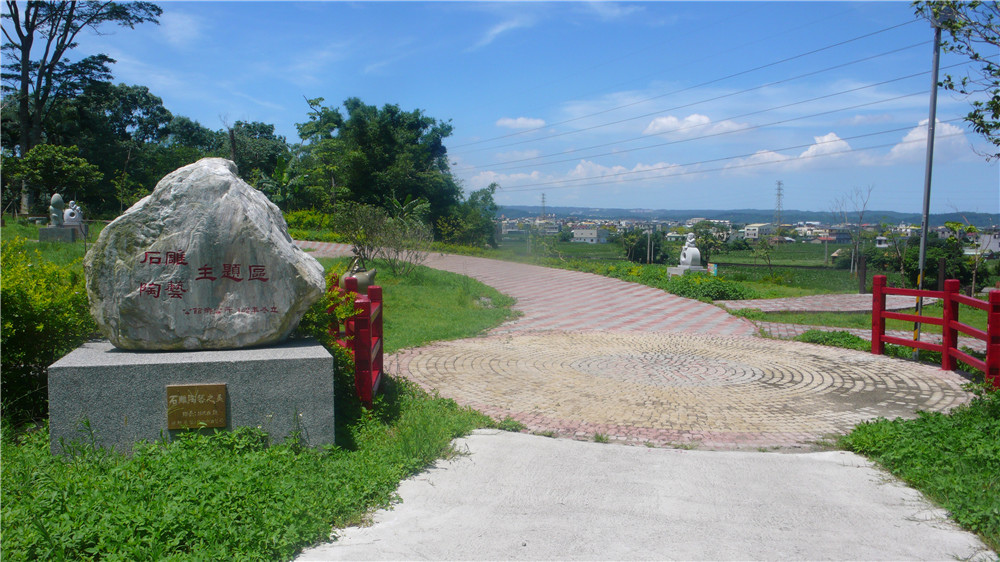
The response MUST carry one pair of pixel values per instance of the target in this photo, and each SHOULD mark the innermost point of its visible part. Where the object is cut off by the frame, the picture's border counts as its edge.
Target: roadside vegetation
(230, 495)
(952, 458)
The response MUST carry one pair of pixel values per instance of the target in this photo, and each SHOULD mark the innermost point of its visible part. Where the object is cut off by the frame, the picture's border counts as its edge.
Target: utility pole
(777, 207)
(931, 118)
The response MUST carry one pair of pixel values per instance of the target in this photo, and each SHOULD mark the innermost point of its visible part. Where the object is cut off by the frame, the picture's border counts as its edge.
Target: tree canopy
(974, 31)
(380, 154)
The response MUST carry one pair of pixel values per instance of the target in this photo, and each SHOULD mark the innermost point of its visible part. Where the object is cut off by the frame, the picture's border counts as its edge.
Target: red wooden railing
(362, 334)
(950, 326)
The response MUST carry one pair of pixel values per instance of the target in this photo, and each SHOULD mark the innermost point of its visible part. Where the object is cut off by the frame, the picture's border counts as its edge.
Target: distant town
(572, 227)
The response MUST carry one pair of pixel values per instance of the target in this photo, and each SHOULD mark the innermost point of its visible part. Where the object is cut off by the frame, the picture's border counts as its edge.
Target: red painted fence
(950, 326)
(362, 334)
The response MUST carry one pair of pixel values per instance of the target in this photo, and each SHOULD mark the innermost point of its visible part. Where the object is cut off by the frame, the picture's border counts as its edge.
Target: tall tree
(381, 154)
(974, 30)
(48, 30)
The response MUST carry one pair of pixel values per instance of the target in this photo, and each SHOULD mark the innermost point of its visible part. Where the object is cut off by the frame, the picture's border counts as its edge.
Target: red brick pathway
(593, 355)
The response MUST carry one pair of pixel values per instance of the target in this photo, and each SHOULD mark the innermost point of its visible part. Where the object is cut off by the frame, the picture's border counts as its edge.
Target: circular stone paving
(667, 388)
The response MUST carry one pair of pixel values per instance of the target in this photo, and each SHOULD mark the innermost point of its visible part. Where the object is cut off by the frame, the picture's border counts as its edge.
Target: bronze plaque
(190, 406)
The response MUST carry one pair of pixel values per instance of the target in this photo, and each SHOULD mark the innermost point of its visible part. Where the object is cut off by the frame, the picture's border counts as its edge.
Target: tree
(471, 222)
(42, 84)
(48, 169)
(974, 28)
(257, 148)
(379, 154)
(845, 208)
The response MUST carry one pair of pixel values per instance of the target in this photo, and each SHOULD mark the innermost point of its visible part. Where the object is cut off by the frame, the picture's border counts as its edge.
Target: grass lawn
(60, 253)
(798, 253)
(236, 495)
(863, 320)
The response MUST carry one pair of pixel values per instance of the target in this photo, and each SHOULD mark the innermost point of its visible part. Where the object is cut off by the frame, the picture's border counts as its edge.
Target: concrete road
(513, 496)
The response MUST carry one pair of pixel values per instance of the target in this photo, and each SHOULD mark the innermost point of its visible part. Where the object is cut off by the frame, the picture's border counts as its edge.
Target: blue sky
(675, 105)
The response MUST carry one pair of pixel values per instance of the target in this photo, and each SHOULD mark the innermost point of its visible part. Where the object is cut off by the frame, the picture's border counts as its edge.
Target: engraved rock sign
(204, 262)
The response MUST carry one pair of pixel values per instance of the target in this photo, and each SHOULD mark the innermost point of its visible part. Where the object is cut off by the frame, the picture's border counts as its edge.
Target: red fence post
(363, 349)
(878, 321)
(949, 336)
(993, 340)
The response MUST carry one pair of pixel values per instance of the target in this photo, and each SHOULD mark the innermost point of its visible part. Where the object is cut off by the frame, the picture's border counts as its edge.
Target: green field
(236, 495)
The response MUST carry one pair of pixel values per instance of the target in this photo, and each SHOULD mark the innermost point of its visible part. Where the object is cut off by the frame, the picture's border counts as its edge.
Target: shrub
(45, 316)
(701, 286)
(309, 220)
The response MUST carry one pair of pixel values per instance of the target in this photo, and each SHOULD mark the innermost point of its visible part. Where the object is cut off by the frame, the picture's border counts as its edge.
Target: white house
(757, 230)
(590, 235)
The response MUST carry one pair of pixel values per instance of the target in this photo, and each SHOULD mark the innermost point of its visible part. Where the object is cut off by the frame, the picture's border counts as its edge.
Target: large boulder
(204, 262)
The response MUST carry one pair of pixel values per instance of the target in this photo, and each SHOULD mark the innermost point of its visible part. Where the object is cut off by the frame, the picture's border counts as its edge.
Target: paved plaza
(595, 356)
(592, 355)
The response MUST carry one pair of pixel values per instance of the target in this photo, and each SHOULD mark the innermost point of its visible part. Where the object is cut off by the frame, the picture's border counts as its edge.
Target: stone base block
(681, 270)
(123, 394)
(59, 234)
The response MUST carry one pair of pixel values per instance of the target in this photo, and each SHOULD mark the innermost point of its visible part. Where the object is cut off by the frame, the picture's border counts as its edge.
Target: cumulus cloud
(914, 144)
(694, 124)
(759, 158)
(520, 123)
(829, 143)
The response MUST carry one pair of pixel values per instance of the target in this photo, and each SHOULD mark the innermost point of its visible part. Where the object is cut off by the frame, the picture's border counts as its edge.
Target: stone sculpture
(690, 258)
(204, 262)
(56, 210)
(690, 254)
(73, 215)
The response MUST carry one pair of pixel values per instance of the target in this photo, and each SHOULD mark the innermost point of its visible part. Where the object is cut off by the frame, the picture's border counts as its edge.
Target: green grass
(863, 320)
(60, 253)
(432, 305)
(784, 254)
(954, 459)
(234, 495)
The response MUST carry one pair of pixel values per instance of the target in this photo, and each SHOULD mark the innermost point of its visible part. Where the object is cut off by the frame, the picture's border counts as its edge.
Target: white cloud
(484, 179)
(868, 119)
(520, 123)
(829, 143)
(694, 124)
(611, 10)
(180, 29)
(759, 158)
(498, 30)
(947, 137)
(517, 155)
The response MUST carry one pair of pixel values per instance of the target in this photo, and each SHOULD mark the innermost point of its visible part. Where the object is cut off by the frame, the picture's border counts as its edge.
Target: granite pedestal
(122, 394)
(61, 233)
(681, 270)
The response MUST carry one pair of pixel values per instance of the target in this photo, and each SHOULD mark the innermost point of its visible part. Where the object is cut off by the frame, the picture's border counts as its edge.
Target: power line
(681, 129)
(713, 81)
(556, 183)
(731, 94)
(701, 31)
(722, 133)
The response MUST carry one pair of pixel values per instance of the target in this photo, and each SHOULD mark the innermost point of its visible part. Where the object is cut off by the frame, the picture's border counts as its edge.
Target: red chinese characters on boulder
(231, 272)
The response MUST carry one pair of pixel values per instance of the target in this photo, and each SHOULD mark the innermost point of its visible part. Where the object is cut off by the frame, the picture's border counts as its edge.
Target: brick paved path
(789, 331)
(824, 303)
(598, 355)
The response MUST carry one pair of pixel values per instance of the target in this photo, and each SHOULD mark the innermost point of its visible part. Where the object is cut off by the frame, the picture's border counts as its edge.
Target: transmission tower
(777, 206)
(543, 205)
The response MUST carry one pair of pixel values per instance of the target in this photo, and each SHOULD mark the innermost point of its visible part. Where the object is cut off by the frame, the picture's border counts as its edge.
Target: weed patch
(954, 459)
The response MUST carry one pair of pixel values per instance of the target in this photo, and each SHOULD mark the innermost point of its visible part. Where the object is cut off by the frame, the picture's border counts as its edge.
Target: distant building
(590, 235)
(758, 230)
